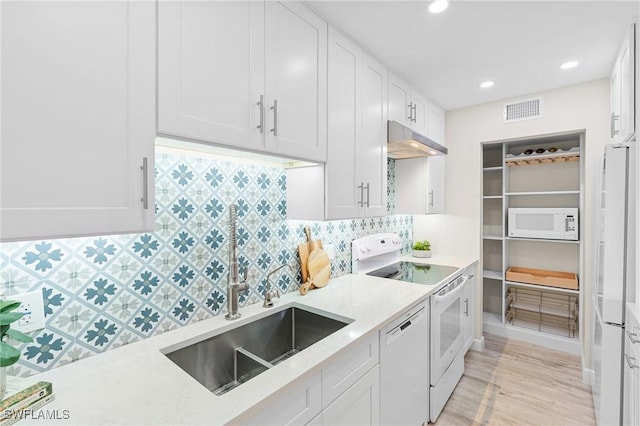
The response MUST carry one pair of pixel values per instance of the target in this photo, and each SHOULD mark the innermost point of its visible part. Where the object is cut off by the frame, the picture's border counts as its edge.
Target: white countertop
(137, 384)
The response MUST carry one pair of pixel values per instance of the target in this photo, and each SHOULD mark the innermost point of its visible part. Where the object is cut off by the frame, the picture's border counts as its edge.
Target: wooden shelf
(529, 193)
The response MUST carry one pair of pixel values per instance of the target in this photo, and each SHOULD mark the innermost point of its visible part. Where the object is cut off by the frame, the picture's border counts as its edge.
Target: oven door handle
(452, 293)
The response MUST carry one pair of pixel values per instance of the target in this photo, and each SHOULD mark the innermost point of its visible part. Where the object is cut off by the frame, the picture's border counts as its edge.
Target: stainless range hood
(402, 142)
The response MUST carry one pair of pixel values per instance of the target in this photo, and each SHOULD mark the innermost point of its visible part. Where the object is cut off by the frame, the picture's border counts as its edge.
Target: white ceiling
(518, 44)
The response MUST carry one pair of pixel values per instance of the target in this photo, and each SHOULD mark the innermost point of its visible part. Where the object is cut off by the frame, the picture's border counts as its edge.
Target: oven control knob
(368, 247)
(362, 250)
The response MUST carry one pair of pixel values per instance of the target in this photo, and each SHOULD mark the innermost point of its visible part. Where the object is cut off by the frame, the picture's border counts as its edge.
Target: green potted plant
(422, 248)
(9, 354)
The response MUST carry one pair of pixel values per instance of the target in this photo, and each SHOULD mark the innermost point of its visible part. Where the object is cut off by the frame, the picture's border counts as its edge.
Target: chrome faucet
(233, 285)
(269, 294)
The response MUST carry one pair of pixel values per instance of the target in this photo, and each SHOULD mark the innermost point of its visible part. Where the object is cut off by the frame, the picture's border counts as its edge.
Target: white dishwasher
(404, 368)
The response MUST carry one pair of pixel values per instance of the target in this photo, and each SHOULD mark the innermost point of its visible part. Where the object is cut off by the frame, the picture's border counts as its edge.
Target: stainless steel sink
(227, 360)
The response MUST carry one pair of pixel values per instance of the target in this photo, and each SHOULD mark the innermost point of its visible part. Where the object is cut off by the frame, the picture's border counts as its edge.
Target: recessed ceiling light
(568, 65)
(487, 84)
(438, 6)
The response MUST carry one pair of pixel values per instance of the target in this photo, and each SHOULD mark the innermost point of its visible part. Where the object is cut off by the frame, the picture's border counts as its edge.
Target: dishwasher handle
(397, 331)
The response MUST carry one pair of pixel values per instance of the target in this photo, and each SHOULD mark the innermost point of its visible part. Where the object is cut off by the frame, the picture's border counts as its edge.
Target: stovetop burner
(417, 273)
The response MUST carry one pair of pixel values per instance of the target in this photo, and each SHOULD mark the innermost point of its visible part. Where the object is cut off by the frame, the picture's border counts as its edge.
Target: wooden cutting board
(315, 265)
(319, 270)
(304, 250)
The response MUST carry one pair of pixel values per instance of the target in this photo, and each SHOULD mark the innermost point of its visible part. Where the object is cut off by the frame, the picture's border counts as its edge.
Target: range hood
(402, 142)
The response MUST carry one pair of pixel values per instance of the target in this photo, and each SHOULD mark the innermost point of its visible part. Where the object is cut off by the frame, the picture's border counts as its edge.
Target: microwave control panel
(570, 223)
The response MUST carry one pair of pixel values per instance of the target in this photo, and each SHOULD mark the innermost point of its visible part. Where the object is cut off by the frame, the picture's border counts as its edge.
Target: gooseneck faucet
(268, 293)
(234, 286)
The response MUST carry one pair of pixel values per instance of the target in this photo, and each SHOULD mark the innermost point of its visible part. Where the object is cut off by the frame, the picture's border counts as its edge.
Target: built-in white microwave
(546, 223)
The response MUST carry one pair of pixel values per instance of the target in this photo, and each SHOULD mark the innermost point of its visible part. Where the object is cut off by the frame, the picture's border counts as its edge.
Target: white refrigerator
(615, 279)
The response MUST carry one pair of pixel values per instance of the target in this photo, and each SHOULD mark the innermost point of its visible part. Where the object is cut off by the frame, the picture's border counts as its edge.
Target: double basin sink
(225, 361)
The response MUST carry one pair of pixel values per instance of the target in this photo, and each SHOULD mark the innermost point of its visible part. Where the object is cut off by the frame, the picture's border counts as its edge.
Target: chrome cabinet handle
(274, 108)
(260, 103)
(415, 114)
(145, 183)
(466, 307)
(410, 117)
(361, 200)
(631, 361)
(367, 188)
(614, 118)
(633, 337)
(431, 198)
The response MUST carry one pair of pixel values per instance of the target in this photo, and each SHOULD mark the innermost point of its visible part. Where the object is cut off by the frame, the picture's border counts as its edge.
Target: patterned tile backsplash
(104, 292)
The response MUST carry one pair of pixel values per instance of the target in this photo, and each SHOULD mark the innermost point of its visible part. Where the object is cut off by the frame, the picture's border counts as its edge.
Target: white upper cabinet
(373, 151)
(420, 106)
(296, 81)
(399, 101)
(244, 74)
(435, 165)
(211, 71)
(406, 105)
(78, 118)
(623, 91)
(356, 169)
(420, 181)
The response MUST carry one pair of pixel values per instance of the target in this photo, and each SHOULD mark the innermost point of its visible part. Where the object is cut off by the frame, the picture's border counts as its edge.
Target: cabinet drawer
(296, 405)
(348, 367)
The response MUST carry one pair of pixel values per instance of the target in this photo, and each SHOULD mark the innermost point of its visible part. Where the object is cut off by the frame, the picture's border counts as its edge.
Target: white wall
(573, 108)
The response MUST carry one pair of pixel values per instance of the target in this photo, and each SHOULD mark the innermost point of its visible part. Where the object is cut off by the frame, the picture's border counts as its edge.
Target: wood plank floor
(517, 383)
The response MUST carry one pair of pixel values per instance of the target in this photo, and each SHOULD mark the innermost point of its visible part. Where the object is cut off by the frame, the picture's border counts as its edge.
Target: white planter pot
(421, 253)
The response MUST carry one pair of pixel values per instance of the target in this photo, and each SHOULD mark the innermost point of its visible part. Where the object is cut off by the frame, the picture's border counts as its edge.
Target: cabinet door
(345, 190)
(211, 71)
(296, 81)
(420, 106)
(435, 165)
(411, 186)
(469, 303)
(435, 185)
(298, 404)
(435, 123)
(359, 405)
(373, 151)
(399, 100)
(623, 85)
(78, 118)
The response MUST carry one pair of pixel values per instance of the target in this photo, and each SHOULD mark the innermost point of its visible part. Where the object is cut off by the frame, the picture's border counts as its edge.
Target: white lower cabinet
(631, 372)
(348, 367)
(359, 405)
(296, 405)
(468, 299)
(346, 391)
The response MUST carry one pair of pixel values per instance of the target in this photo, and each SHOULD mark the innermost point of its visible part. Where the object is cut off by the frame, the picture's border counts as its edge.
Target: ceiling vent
(527, 109)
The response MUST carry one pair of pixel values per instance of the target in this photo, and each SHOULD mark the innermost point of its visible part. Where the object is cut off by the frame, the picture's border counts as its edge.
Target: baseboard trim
(478, 344)
(588, 376)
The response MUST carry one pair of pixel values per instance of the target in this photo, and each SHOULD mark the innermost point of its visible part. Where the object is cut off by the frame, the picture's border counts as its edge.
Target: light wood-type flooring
(517, 383)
